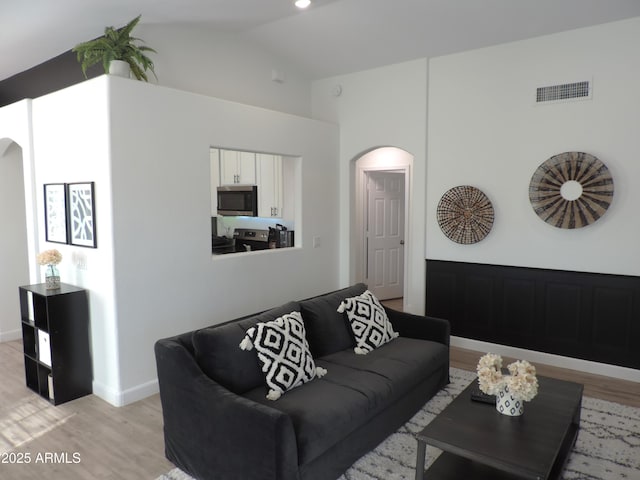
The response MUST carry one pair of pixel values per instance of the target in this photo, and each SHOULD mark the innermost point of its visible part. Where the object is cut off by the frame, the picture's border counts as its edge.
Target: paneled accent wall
(583, 315)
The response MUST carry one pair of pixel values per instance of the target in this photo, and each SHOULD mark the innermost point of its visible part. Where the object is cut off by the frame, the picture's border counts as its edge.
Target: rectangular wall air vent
(567, 91)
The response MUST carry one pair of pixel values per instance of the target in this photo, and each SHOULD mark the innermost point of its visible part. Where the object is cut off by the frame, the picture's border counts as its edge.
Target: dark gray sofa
(218, 424)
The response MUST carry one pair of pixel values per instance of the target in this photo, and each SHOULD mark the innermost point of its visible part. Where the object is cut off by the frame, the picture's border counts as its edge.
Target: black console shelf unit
(55, 334)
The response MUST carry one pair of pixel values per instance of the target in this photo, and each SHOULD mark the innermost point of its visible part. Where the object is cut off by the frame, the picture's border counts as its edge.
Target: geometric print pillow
(284, 353)
(369, 322)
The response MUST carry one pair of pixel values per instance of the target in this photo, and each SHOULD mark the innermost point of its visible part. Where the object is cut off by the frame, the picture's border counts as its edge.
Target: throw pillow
(369, 322)
(284, 353)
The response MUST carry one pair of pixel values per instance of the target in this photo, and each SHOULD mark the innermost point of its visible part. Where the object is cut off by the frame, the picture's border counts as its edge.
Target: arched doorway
(382, 203)
(13, 241)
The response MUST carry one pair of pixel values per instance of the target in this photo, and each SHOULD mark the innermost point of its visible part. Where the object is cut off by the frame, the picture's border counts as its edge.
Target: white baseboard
(10, 335)
(139, 392)
(125, 397)
(533, 356)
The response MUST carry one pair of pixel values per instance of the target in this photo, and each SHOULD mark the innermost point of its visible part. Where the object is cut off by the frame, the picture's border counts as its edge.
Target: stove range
(248, 239)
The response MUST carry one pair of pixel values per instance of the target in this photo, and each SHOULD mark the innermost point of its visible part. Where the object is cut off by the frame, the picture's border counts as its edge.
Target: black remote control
(478, 395)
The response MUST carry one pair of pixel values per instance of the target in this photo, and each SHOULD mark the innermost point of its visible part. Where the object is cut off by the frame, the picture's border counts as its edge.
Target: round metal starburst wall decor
(571, 190)
(465, 214)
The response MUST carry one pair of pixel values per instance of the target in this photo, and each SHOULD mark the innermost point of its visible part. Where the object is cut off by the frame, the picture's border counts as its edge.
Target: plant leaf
(116, 44)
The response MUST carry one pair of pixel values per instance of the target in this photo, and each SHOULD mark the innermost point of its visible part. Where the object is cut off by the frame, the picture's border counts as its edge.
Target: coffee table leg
(420, 460)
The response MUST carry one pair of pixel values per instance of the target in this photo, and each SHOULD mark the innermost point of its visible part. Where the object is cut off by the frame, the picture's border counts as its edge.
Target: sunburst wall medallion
(465, 214)
(571, 190)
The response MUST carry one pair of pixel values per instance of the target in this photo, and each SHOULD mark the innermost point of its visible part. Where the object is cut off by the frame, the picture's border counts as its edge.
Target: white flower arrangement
(522, 381)
(49, 257)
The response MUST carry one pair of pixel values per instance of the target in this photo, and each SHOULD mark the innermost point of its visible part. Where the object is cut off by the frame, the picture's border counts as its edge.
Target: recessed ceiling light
(302, 3)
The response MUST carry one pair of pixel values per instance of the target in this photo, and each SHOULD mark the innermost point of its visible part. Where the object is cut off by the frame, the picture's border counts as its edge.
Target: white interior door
(385, 234)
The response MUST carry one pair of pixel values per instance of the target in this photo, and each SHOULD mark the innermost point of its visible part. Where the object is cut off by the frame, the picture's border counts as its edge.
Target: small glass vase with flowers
(51, 259)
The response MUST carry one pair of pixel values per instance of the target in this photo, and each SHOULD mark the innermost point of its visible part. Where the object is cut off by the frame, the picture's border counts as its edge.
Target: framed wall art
(82, 215)
(55, 212)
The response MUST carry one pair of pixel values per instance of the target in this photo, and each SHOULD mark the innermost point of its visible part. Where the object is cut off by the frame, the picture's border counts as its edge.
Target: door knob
(401, 242)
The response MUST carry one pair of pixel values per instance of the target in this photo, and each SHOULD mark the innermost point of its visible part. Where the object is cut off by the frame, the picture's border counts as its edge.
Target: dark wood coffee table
(480, 443)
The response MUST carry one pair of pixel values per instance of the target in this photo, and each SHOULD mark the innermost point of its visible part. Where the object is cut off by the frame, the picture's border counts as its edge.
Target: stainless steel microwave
(238, 200)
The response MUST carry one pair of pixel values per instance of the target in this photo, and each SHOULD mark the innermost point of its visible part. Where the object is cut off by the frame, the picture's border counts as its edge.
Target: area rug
(607, 448)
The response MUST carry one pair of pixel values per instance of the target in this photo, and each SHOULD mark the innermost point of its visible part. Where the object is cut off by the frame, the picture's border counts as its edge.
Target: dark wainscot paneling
(590, 316)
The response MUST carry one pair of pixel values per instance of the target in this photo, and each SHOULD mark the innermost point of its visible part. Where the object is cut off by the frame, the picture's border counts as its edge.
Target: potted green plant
(116, 45)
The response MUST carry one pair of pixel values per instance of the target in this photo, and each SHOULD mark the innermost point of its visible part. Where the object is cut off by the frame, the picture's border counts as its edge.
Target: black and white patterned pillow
(369, 322)
(284, 353)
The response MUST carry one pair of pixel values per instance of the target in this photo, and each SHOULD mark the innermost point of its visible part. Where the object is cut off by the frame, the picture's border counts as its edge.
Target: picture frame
(81, 214)
(55, 213)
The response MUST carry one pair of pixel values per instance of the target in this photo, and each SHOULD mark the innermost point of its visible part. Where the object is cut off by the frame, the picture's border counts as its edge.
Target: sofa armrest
(419, 326)
(210, 432)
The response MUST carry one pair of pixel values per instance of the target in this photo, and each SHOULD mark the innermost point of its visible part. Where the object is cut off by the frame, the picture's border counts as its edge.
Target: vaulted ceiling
(330, 37)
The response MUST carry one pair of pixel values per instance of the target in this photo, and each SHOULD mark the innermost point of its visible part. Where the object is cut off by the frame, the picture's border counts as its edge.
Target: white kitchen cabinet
(270, 198)
(214, 159)
(237, 168)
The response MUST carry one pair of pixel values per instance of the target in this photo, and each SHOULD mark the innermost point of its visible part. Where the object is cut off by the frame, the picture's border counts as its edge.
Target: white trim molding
(605, 369)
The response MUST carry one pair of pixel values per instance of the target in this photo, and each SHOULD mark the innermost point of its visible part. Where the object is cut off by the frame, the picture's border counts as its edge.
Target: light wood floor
(101, 442)
(111, 443)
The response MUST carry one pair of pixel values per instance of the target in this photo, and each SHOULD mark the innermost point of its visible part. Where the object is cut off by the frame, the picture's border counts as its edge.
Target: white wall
(219, 64)
(72, 144)
(485, 130)
(167, 281)
(147, 150)
(17, 210)
(381, 107)
(13, 241)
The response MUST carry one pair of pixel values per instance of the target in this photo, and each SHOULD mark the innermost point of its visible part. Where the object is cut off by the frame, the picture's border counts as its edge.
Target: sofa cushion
(327, 330)
(355, 389)
(217, 353)
(405, 362)
(324, 411)
(369, 322)
(283, 351)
